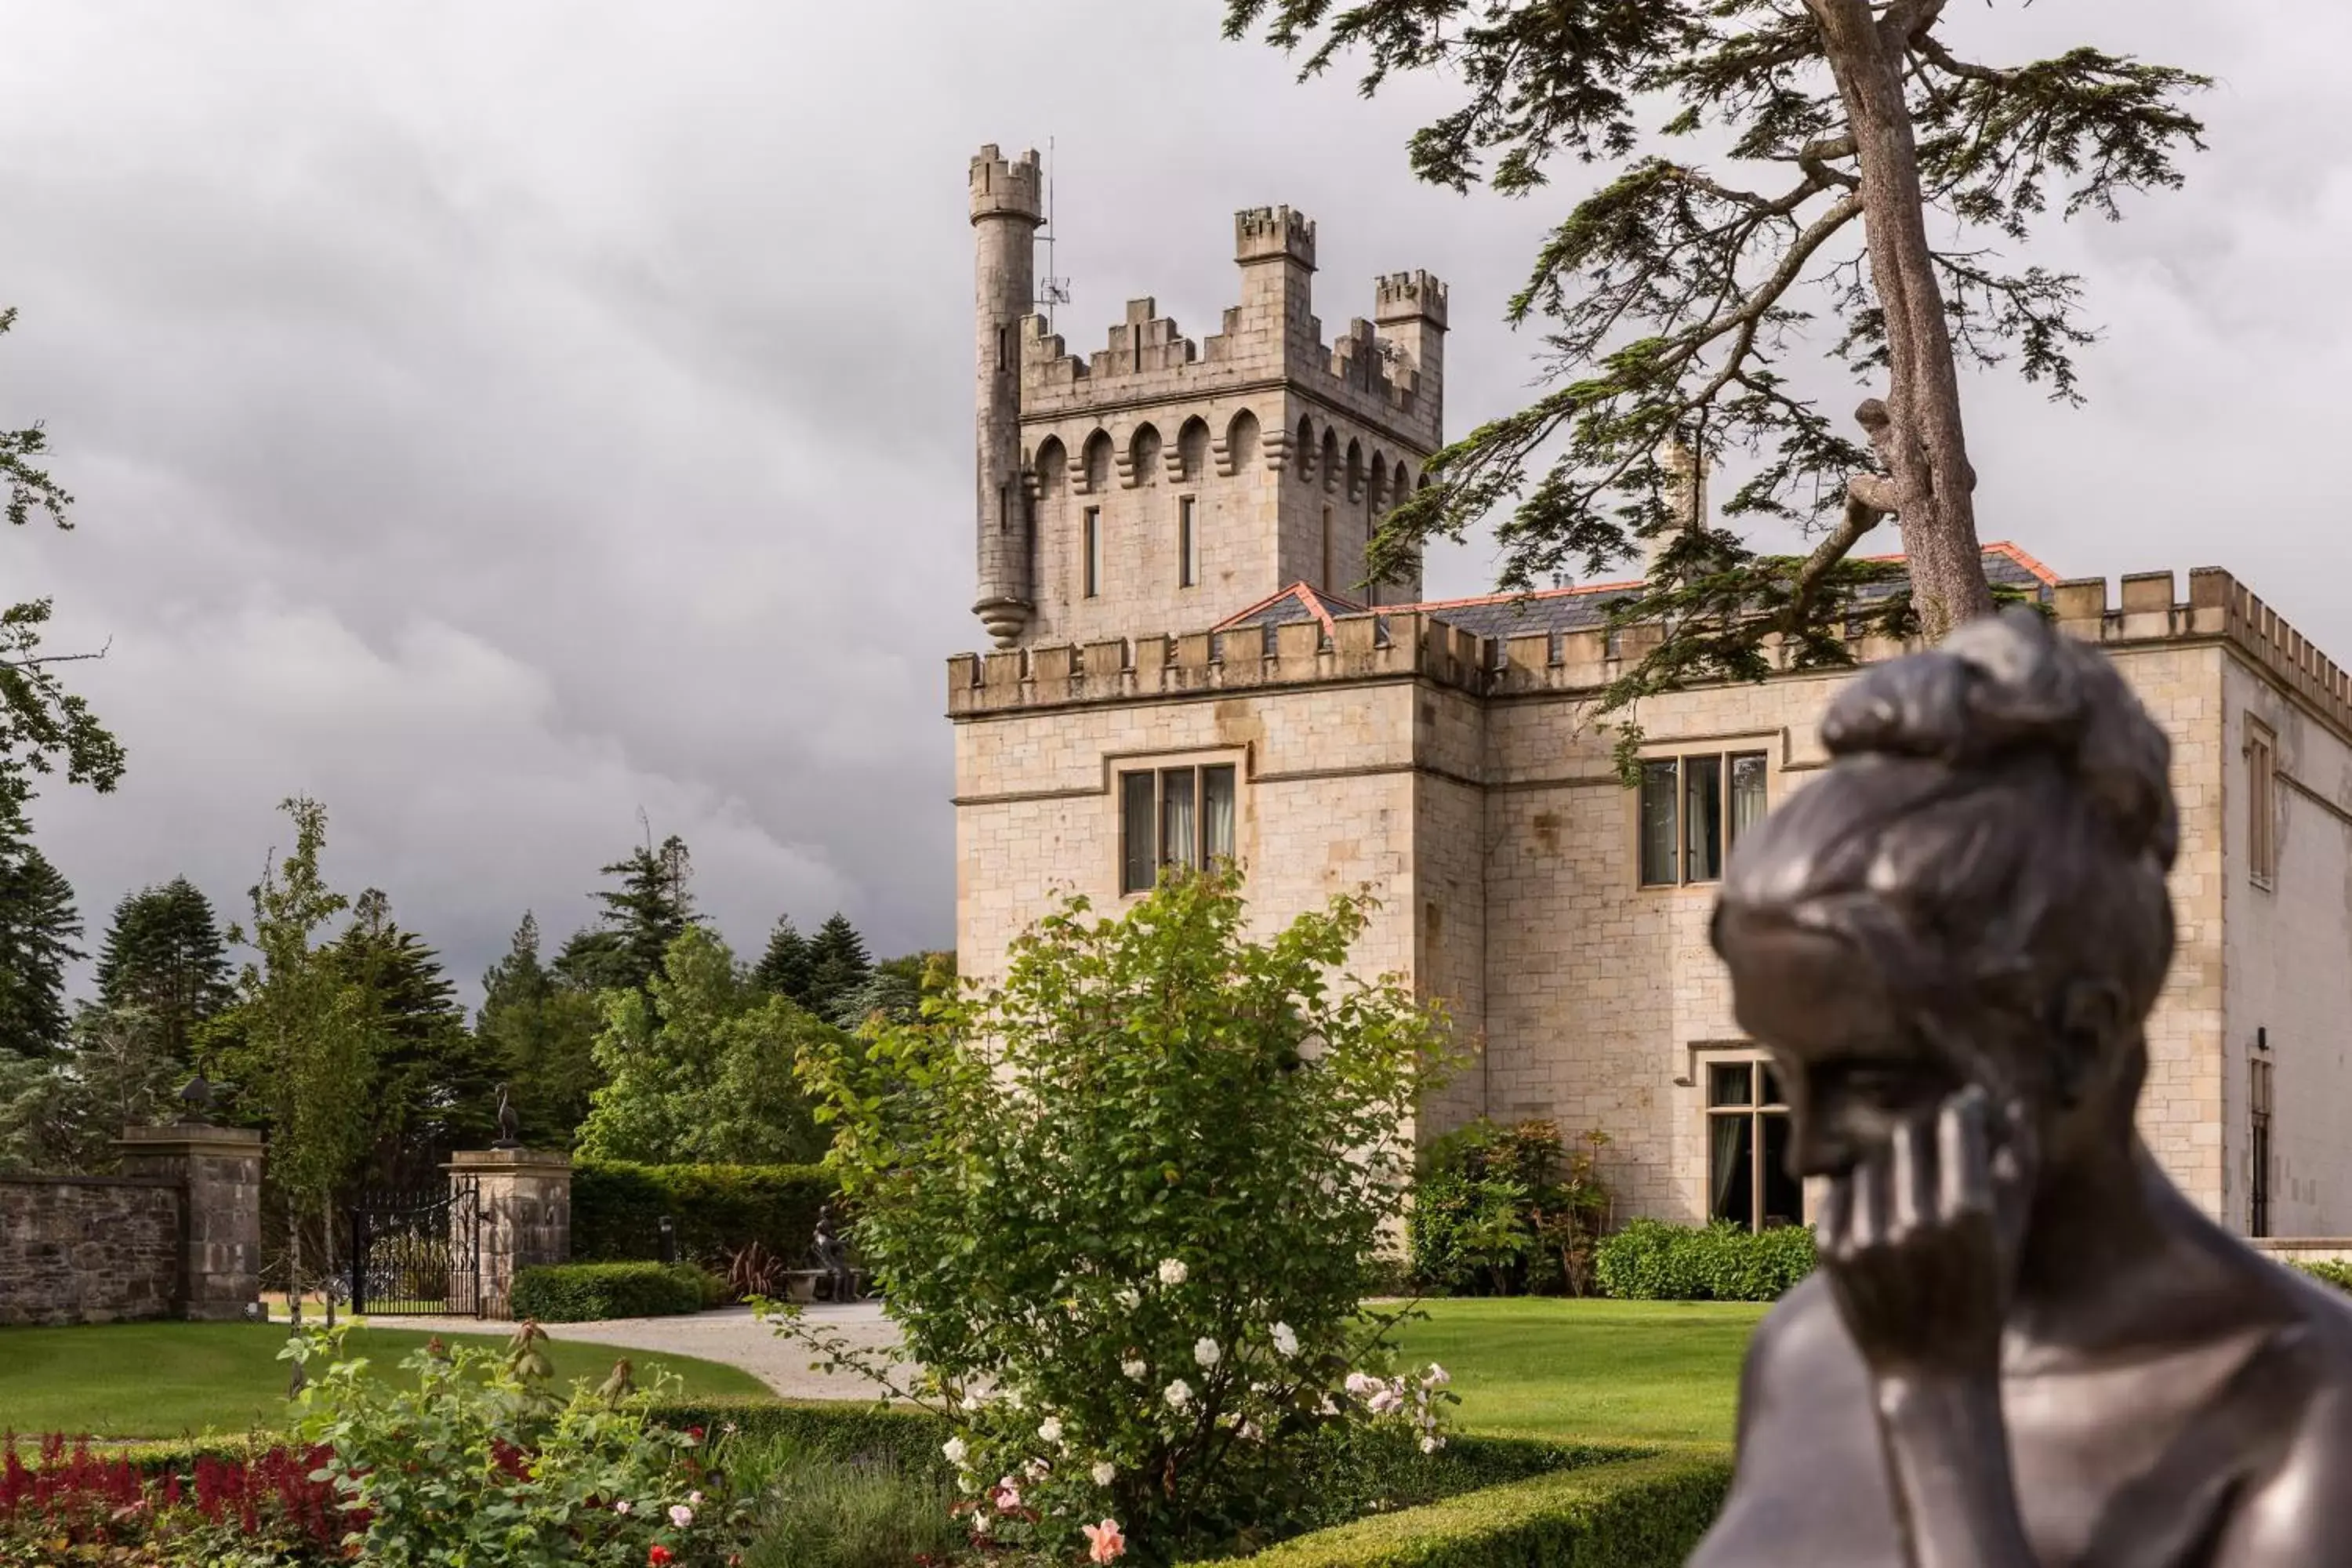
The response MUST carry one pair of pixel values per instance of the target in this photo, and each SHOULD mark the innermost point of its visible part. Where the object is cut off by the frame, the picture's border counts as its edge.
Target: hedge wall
(1591, 1507)
(616, 1210)
(1642, 1513)
(590, 1293)
(1650, 1261)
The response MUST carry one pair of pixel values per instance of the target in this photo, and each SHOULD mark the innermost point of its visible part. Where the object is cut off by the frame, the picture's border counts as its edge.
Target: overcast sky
(492, 418)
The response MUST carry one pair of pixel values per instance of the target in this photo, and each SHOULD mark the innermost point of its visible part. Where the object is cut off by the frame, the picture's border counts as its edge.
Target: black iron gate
(418, 1253)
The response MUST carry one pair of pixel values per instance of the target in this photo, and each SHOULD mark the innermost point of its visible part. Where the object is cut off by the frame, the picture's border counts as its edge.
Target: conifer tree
(163, 955)
(38, 925)
(1866, 172)
(784, 969)
(650, 909)
(434, 1091)
(42, 725)
(838, 965)
(542, 1034)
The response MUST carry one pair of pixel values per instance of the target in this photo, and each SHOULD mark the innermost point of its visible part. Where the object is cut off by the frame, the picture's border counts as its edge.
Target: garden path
(730, 1335)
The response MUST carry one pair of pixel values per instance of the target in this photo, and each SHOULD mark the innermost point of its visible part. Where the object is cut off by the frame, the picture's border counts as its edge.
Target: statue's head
(1971, 893)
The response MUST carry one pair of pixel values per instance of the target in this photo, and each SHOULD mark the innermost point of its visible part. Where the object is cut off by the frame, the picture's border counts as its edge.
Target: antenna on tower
(1052, 290)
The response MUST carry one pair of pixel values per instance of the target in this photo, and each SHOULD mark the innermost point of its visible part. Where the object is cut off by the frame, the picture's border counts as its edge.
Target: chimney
(1685, 497)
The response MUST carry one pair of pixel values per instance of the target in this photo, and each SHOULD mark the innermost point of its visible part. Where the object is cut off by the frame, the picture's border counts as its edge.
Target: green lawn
(166, 1380)
(1589, 1369)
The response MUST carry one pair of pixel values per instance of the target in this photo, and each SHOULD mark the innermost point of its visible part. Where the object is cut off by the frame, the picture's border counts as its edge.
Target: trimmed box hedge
(1650, 1261)
(587, 1292)
(716, 1210)
(1640, 1513)
(1568, 1505)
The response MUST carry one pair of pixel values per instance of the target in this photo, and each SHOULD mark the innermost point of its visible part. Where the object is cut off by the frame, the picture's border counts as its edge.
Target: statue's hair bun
(2009, 688)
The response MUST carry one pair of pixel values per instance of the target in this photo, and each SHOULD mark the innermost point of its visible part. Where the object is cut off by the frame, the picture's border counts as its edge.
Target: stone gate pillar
(525, 1200)
(218, 1172)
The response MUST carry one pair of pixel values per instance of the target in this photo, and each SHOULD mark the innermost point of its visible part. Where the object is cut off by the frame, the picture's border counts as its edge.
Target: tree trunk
(1927, 454)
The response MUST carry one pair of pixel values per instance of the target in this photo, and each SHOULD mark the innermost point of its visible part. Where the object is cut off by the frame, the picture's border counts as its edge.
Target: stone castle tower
(1163, 484)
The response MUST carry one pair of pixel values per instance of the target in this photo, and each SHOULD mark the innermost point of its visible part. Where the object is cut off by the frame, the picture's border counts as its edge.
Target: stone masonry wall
(2287, 972)
(1464, 779)
(88, 1249)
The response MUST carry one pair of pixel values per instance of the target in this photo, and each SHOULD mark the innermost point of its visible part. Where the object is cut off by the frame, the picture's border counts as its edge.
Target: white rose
(955, 1451)
(1286, 1342)
(1103, 1471)
(1172, 1272)
(1134, 1369)
(1205, 1351)
(1438, 1377)
(1050, 1428)
(1431, 1445)
(680, 1516)
(1251, 1432)
(1130, 1298)
(1178, 1394)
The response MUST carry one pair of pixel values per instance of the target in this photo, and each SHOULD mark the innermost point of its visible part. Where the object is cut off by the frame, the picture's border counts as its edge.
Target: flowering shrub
(72, 1505)
(479, 1462)
(1126, 1206)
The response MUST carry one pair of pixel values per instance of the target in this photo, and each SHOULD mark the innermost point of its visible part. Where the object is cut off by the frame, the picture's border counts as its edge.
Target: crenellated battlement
(1385, 372)
(1357, 647)
(1406, 644)
(1264, 234)
(1003, 187)
(1408, 295)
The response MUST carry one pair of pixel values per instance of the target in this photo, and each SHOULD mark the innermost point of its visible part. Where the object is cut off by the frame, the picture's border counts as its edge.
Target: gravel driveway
(730, 1335)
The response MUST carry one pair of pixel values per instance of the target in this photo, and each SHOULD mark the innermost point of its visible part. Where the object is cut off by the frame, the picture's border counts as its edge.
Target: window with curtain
(2258, 1153)
(1747, 1178)
(1174, 817)
(1692, 810)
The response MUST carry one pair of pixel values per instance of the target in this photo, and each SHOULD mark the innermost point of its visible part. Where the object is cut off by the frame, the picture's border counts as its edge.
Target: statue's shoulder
(1807, 1436)
(1803, 1341)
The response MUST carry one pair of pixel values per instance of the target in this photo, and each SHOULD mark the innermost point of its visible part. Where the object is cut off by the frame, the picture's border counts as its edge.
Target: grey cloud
(493, 418)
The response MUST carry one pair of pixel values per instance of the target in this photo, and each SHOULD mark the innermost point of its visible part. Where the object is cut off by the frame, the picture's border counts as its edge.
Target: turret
(1007, 206)
(1409, 307)
(1276, 248)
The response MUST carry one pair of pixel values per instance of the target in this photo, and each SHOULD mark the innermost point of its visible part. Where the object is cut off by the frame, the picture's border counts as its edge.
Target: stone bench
(800, 1284)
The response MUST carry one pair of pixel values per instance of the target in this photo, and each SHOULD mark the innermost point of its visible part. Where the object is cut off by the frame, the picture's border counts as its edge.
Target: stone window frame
(1117, 768)
(2261, 751)
(1090, 552)
(1705, 1056)
(1188, 541)
(1724, 748)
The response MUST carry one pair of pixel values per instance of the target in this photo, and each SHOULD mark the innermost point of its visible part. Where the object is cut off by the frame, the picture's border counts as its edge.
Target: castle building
(1170, 547)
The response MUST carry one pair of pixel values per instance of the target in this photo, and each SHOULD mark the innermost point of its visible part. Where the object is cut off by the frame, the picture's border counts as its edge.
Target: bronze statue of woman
(2023, 1346)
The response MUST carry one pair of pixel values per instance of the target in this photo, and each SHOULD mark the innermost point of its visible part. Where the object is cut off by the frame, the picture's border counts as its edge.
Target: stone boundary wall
(1421, 643)
(88, 1250)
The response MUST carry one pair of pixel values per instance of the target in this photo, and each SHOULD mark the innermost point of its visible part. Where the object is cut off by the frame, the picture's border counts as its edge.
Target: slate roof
(1558, 610)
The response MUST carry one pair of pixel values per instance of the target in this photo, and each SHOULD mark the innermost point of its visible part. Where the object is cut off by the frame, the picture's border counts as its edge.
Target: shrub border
(1639, 1513)
(1628, 1506)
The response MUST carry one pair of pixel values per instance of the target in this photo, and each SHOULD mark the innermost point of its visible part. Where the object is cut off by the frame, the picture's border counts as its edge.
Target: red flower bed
(84, 1497)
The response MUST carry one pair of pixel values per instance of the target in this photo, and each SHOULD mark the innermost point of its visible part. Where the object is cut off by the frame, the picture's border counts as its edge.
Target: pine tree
(837, 964)
(434, 1091)
(650, 909)
(541, 1035)
(38, 927)
(163, 955)
(784, 970)
(1770, 171)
